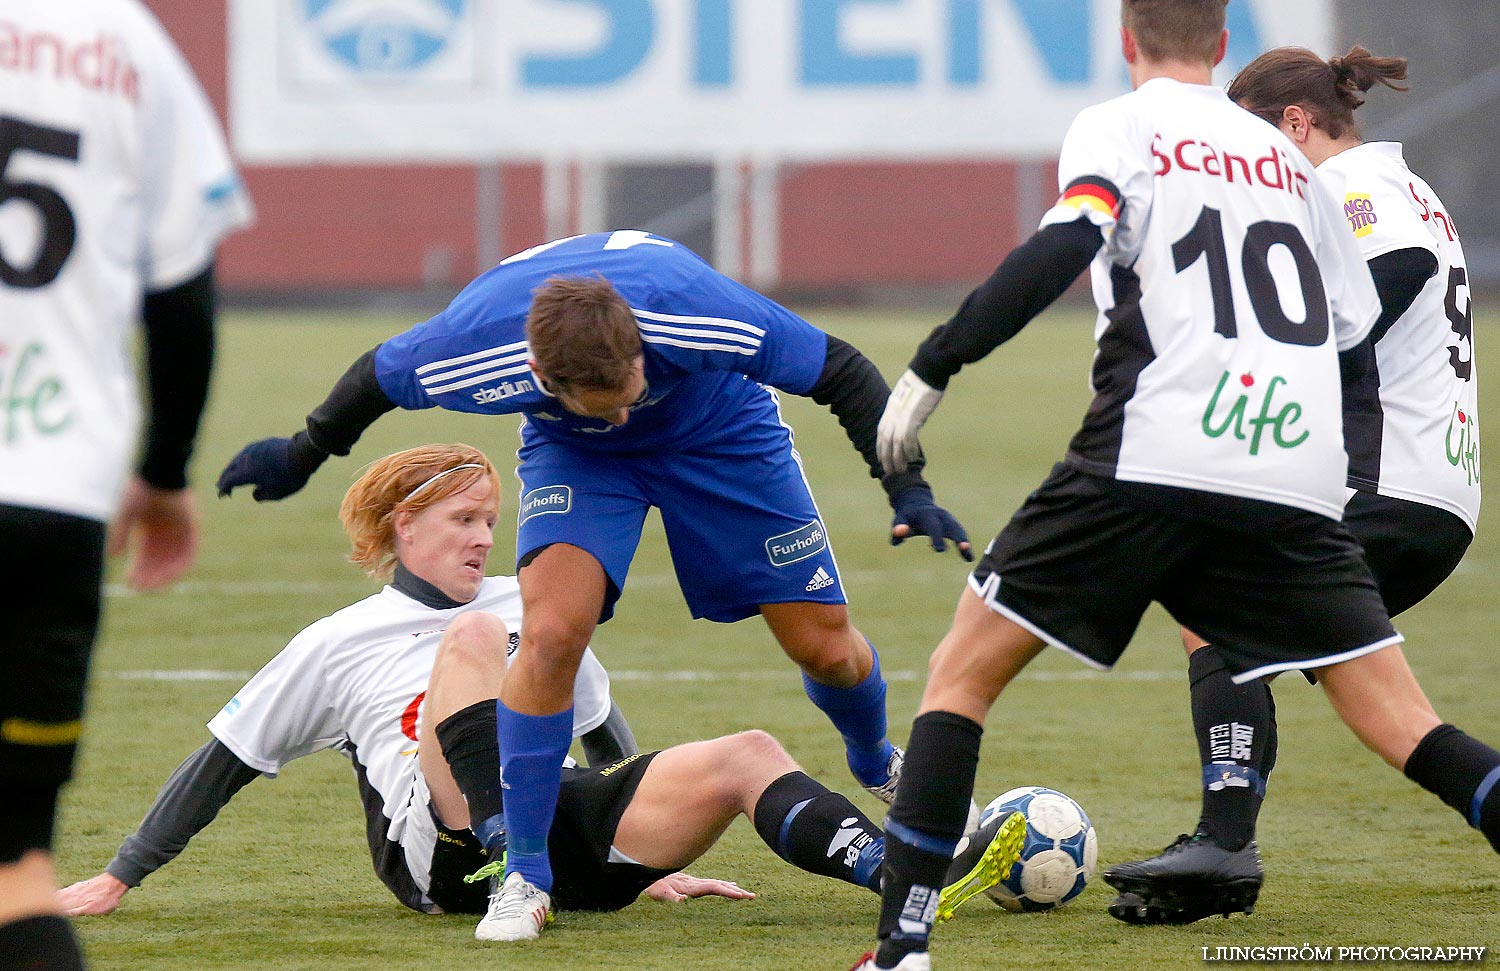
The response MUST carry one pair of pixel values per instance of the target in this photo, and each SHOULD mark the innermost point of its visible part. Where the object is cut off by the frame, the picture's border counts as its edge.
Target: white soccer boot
(915, 961)
(886, 791)
(518, 912)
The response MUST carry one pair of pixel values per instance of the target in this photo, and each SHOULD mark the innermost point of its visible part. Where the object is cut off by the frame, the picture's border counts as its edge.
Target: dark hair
(1175, 30)
(582, 334)
(1328, 90)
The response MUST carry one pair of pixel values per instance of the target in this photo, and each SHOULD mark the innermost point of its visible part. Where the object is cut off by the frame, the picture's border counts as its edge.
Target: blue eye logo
(384, 36)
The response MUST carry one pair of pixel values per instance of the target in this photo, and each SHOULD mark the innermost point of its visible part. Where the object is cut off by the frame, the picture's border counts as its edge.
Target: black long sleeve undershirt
(188, 801)
(179, 328)
(353, 405)
(1034, 274)
(852, 387)
(1399, 277)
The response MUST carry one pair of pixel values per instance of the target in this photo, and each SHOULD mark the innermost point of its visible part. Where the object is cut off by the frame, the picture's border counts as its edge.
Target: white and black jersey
(1226, 285)
(1423, 442)
(116, 183)
(355, 681)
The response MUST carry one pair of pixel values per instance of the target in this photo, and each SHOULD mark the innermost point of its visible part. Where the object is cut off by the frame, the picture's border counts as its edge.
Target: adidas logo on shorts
(819, 580)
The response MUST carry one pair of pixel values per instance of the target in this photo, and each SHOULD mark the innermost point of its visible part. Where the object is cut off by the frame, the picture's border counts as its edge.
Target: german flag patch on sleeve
(1092, 192)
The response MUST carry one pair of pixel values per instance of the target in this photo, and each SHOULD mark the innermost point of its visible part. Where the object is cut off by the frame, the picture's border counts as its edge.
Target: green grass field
(1356, 855)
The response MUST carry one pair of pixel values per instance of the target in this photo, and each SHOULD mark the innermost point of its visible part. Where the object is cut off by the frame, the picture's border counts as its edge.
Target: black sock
(925, 823)
(820, 831)
(1463, 772)
(43, 943)
(1234, 724)
(469, 745)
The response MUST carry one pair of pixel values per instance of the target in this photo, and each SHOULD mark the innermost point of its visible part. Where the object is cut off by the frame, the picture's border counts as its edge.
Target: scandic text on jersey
(1272, 170)
(101, 64)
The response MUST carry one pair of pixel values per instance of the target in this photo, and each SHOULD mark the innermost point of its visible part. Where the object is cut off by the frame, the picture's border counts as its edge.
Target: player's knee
(474, 640)
(758, 751)
(552, 637)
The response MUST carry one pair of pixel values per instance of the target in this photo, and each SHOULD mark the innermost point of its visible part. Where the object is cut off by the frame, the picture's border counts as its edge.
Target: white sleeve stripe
(700, 345)
(436, 377)
(658, 329)
(709, 321)
(477, 379)
(503, 349)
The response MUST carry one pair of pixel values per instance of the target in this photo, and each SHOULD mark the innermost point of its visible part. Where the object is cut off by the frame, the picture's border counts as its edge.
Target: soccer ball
(1058, 856)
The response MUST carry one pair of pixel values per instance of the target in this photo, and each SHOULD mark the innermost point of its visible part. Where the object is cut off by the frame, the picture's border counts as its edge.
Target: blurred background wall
(351, 200)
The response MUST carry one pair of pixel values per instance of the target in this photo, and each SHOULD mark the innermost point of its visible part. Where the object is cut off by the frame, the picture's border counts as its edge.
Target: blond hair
(405, 480)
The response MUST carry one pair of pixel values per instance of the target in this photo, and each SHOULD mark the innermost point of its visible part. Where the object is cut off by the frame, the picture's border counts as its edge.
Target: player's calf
(1463, 772)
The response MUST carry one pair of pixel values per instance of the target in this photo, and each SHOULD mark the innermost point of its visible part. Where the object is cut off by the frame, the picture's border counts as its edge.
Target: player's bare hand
(918, 515)
(911, 402)
(94, 897)
(677, 887)
(158, 528)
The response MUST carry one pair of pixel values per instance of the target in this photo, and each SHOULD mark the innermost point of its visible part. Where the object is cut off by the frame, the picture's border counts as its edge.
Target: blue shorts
(743, 529)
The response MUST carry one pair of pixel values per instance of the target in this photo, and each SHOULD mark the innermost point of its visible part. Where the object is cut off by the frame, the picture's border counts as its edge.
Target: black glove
(277, 467)
(915, 508)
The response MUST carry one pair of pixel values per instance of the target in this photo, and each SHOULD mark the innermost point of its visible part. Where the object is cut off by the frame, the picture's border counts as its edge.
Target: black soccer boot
(1189, 880)
(1132, 908)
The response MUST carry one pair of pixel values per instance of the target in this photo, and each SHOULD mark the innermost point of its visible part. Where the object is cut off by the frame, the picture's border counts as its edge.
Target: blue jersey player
(646, 379)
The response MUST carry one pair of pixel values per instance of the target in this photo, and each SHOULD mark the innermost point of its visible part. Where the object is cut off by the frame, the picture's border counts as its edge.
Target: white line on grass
(220, 589)
(779, 674)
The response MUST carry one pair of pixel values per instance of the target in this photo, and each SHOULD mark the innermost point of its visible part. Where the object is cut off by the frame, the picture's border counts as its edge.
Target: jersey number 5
(1206, 239)
(59, 228)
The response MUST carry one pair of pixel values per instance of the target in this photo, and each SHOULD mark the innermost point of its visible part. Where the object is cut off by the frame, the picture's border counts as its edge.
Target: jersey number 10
(1206, 239)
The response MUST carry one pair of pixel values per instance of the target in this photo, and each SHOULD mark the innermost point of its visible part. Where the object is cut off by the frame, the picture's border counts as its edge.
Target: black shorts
(1411, 547)
(589, 807)
(1274, 588)
(50, 575)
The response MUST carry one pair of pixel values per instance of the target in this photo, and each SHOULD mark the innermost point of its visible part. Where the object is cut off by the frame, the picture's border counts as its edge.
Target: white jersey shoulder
(357, 680)
(122, 186)
(1428, 448)
(1226, 285)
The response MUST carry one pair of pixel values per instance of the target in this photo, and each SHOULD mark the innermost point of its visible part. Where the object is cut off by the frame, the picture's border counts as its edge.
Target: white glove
(912, 401)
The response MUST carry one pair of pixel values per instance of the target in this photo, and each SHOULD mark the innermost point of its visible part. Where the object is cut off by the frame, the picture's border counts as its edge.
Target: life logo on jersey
(1359, 209)
(384, 37)
(799, 544)
(547, 499)
(1281, 418)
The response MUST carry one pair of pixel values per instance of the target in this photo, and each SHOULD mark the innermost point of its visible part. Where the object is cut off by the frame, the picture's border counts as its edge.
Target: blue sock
(532, 748)
(867, 867)
(859, 715)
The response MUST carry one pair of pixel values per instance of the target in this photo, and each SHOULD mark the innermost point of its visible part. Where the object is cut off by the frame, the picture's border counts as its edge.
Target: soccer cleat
(914, 961)
(886, 791)
(1132, 908)
(1189, 880)
(518, 911)
(983, 858)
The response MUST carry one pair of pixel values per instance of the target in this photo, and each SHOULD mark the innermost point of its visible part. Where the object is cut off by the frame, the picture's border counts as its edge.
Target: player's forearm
(611, 741)
(1034, 274)
(179, 328)
(854, 390)
(353, 405)
(188, 801)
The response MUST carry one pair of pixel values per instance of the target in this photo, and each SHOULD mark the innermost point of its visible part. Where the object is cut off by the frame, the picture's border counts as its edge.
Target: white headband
(456, 468)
